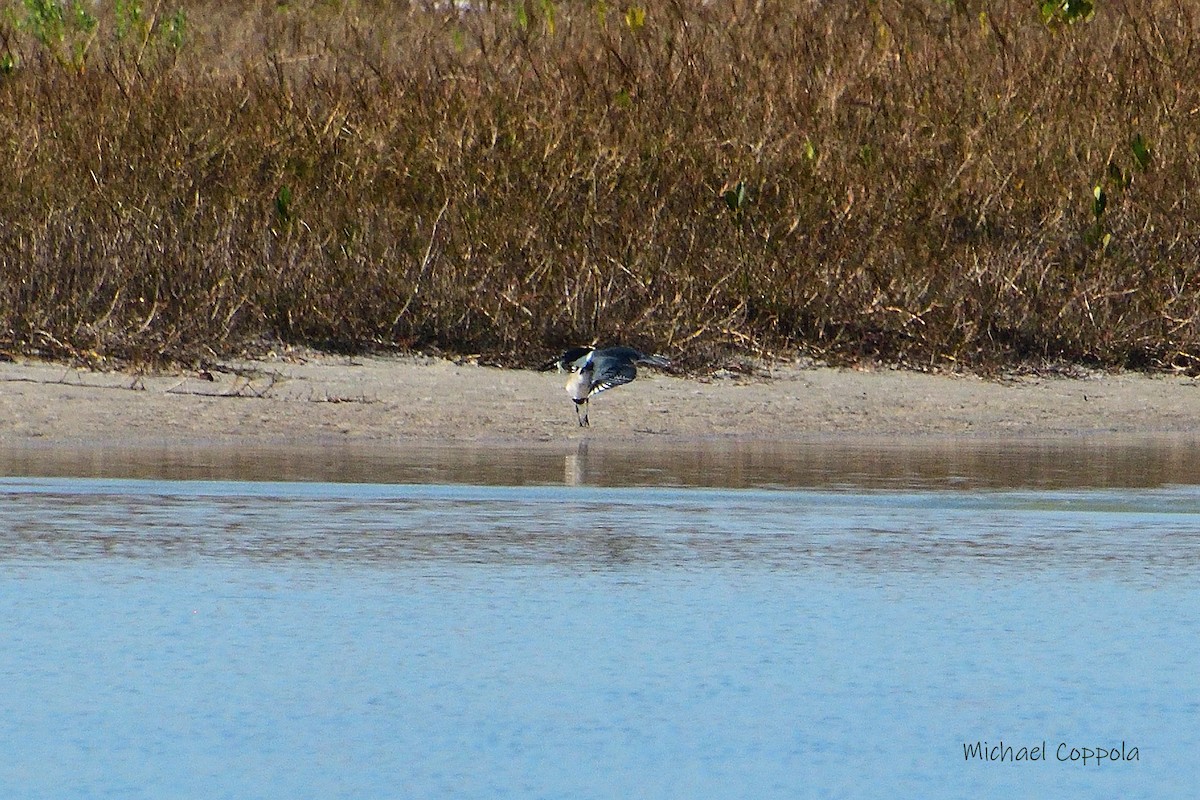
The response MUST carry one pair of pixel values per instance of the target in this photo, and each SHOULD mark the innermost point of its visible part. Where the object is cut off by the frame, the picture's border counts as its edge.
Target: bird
(593, 371)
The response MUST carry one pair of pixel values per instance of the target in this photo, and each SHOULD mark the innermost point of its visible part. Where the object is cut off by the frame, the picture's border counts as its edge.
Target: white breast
(579, 384)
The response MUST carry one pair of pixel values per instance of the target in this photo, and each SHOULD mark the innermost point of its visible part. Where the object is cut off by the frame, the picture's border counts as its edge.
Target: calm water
(722, 622)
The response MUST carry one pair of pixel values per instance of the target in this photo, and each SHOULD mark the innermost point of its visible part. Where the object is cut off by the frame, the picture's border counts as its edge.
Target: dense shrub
(932, 182)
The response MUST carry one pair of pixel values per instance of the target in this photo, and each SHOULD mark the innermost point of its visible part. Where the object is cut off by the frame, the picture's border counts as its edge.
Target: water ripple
(1140, 534)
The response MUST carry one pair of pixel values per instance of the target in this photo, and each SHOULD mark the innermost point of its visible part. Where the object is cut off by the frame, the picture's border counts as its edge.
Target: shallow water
(845, 632)
(878, 463)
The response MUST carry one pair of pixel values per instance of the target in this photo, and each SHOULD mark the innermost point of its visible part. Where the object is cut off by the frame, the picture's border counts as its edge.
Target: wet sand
(315, 399)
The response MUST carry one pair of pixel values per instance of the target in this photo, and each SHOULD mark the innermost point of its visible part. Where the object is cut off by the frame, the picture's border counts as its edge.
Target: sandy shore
(315, 399)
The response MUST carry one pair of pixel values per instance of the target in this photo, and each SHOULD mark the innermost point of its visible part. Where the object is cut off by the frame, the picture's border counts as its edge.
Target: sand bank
(315, 399)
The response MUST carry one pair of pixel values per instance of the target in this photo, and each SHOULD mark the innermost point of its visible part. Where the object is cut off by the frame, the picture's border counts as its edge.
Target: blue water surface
(231, 639)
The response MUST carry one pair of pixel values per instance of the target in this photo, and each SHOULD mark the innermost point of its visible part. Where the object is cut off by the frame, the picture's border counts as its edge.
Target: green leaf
(1077, 10)
(735, 198)
(177, 29)
(1100, 201)
(548, 15)
(1066, 11)
(283, 203)
(1141, 151)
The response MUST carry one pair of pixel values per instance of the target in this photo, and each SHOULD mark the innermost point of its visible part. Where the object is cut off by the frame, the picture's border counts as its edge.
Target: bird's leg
(582, 417)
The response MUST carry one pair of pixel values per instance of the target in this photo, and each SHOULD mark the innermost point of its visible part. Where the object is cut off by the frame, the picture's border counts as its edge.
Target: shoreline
(316, 400)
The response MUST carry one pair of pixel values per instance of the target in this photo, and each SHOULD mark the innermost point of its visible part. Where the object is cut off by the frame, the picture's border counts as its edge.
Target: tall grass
(939, 183)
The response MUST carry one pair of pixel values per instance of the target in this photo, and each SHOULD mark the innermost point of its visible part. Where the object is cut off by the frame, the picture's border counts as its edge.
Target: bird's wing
(611, 372)
(654, 361)
(636, 356)
(568, 360)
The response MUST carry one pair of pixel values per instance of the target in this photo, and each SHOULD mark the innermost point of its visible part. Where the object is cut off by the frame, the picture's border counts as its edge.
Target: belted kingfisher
(593, 371)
